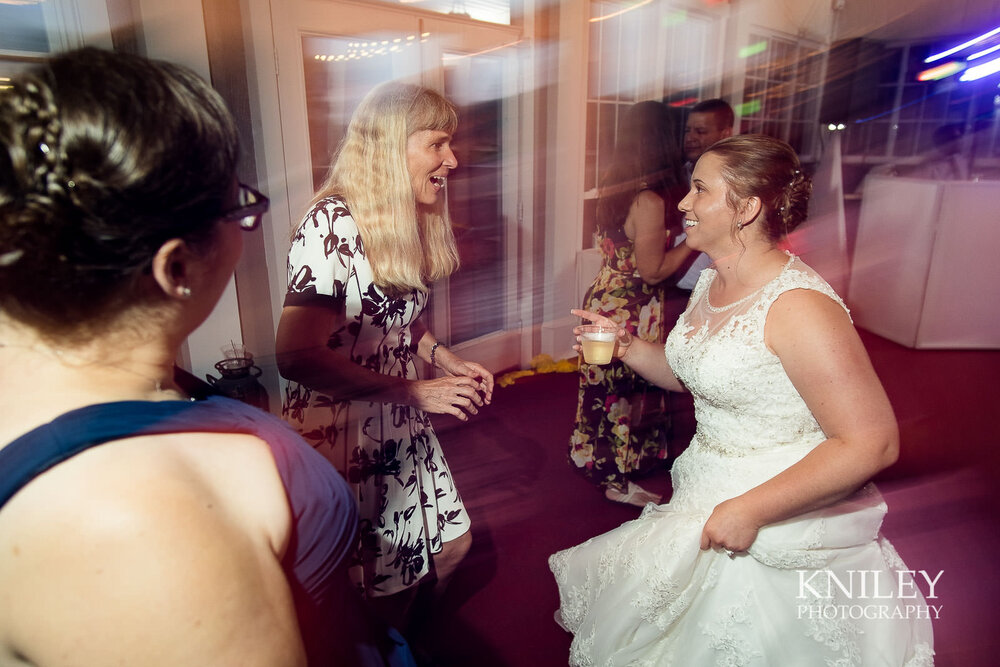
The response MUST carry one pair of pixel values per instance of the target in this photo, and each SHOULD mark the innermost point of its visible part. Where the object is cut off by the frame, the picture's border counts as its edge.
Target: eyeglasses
(252, 205)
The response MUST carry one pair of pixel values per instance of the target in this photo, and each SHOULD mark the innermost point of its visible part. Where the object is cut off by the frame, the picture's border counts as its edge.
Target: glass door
(331, 53)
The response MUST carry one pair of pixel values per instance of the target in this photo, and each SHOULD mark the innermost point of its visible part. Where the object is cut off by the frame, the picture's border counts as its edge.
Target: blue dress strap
(78, 430)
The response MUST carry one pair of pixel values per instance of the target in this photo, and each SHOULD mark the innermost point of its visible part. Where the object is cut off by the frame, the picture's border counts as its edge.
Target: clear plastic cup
(598, 343)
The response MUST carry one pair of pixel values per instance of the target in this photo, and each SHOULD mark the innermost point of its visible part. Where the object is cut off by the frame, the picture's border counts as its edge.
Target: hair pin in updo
(10, 257)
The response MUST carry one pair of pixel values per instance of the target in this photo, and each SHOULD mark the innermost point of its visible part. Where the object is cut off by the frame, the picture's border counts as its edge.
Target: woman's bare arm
(304, 357)
(655, 259)
(826, 361)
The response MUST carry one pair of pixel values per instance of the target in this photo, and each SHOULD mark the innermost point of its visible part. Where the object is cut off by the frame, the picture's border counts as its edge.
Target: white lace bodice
(744, 400)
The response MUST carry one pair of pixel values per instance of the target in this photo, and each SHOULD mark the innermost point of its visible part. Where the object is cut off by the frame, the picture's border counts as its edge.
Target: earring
(185, 292)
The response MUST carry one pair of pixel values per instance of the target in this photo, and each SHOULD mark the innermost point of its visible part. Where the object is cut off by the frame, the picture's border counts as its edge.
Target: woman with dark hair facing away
(359, 269)
(138, 526)
(622, 425)
(772, 509)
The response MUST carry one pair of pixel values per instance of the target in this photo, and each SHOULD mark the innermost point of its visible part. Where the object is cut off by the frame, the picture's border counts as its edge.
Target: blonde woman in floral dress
(621, 425)
(359, 269)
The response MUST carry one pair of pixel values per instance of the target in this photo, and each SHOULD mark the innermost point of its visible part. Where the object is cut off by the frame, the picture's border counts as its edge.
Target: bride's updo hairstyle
(756, 165)
(103, 158)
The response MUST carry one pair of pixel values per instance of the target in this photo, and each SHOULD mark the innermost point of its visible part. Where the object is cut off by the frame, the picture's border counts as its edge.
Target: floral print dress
(622, 425)
(388, 452)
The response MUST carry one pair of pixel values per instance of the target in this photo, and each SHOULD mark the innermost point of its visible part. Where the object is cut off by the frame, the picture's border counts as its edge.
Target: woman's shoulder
(175, 462)
(329, 212)
(145, 476)
(799, 298)
(167, 521)
(797, 275)
(333, 203)
(649, 197)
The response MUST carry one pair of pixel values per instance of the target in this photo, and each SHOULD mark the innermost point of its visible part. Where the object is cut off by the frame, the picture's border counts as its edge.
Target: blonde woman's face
(429, 159)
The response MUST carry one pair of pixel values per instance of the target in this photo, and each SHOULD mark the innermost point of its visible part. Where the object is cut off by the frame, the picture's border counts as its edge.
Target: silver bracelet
(434, 348)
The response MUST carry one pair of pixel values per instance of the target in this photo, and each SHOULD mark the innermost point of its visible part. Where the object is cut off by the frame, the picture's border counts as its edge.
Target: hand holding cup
(598, 343)
(602, 339)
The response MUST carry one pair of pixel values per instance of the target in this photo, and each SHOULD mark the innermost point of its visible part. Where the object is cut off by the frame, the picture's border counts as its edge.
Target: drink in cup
(598, 343)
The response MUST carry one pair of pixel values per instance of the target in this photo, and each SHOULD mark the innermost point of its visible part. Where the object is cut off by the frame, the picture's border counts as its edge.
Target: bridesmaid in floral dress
(621, 421)
(376, 236)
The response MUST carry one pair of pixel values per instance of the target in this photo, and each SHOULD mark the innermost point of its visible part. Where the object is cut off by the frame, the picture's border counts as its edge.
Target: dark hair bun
(103, 157)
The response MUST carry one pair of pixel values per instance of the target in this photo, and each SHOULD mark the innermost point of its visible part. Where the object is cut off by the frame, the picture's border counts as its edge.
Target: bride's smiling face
(708, 217)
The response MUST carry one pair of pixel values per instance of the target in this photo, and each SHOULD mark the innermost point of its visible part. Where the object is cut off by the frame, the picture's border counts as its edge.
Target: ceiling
(914, 20)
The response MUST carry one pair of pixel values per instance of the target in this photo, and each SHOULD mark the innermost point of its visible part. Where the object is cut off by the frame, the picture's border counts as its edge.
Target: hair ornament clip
(11, 257)
(44, 147)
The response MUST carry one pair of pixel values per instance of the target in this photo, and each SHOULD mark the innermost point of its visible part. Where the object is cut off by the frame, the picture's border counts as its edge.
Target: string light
(980, 54)
(598, 19)
(941, 71)
(369, 49)
(960, 47)
(979, 71)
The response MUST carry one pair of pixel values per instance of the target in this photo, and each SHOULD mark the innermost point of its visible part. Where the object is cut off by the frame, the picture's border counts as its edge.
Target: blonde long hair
(407, 248)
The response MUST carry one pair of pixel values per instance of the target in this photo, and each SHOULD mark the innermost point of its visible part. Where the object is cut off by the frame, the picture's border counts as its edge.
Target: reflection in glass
(339, 71)
(22, 28)
(475, 84)
(491, 11)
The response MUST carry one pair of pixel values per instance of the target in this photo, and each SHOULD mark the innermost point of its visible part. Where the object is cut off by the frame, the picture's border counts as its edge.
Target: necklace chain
(156, 382)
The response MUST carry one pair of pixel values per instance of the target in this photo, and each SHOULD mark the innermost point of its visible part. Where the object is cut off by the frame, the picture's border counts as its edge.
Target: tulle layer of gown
(823, 589)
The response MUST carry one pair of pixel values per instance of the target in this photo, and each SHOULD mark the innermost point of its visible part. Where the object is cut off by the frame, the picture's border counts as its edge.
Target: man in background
(707, 122)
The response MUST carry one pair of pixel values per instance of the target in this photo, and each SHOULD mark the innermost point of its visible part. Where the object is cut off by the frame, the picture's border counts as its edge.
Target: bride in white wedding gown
(769, 551)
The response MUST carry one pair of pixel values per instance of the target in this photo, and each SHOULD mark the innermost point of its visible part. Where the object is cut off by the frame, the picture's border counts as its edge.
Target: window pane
(906, 140)
(607, 123)
(476, 291)
(878, 138)
(22, 28)
(491, 11)
(936, 104)
(910, 104)
(339, 71)
(855, 139)
(590, 168)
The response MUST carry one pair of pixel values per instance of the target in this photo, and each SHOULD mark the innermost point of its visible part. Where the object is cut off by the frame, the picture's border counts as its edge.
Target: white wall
(175, 31)
(915, 19)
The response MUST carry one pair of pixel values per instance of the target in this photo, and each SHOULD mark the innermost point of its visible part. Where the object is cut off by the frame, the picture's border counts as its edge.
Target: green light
(753, 49)
(675, 18)
(749, 108)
